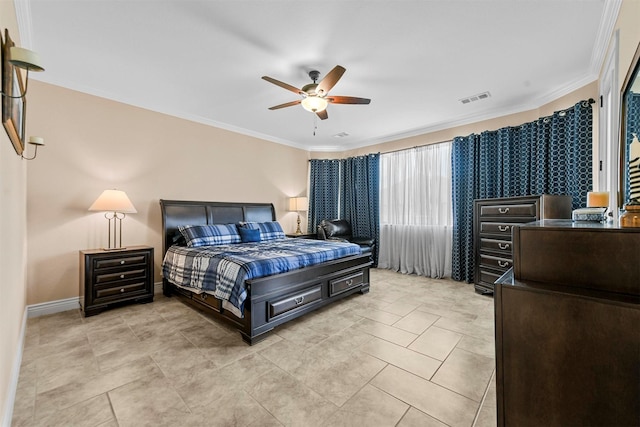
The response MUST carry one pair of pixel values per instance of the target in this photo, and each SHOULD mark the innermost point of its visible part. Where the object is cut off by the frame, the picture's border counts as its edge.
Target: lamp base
(298, 230)
(114, 249)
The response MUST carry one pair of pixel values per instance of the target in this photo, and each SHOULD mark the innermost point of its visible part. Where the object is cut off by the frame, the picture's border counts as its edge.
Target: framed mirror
(630, 135)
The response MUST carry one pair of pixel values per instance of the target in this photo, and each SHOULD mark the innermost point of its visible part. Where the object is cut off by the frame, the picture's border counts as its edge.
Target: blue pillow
(249, 234)
(270, 230)
(209, 235)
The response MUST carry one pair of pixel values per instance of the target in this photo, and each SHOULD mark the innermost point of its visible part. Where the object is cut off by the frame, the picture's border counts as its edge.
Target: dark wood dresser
(493, 222)
(568, 327)
(113, 277)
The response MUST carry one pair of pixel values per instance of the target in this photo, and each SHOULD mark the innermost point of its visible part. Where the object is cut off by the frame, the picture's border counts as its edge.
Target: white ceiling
(203, 60)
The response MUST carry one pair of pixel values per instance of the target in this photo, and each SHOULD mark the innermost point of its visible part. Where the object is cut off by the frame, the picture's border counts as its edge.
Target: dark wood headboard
(187, 212)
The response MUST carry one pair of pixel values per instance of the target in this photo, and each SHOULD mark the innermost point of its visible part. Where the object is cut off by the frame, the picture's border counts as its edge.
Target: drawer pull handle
(299, 300)
(503, 245)
(122, 276)
(121, 290)
(503, 227)
(503, 263)
(503, 210)
(349, 282)
(204, 296)
(121, 262)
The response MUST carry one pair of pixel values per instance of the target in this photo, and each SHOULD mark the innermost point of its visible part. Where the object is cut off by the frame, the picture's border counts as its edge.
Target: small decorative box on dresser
(111, 277)
(493, 222)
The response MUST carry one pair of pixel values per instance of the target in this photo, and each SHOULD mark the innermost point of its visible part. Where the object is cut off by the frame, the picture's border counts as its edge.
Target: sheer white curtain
(415, 210)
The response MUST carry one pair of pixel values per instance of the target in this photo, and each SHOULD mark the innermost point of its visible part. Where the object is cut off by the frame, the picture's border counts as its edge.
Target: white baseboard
(51, 307)
(15, 375)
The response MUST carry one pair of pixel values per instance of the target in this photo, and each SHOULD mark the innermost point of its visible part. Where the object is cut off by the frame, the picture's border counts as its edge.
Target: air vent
(478, 97)
(341, 135)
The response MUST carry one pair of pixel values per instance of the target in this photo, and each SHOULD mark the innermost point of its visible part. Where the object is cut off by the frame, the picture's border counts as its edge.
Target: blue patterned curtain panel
(552, 155)
(361, 197)
(324, 191)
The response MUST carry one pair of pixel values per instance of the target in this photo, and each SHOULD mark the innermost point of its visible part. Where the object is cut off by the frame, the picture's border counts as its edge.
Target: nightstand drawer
(122, 291)
(119, 276)
(120, 261)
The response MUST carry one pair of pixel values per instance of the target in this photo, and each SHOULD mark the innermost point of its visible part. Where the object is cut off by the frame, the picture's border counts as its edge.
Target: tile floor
(412, 352)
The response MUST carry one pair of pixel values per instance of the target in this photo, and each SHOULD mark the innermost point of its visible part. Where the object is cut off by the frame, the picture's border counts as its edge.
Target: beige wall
(13, 232)
(94, 144)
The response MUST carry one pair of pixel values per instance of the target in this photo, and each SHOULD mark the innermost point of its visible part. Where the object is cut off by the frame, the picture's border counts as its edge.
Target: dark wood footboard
(272, 300)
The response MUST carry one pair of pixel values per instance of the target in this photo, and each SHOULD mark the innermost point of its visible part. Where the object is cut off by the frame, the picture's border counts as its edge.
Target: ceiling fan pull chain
(315, 124)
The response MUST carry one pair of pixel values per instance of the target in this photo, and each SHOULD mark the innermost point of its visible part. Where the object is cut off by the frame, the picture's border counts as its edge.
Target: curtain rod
(395, 151)
(590, 101)
(415, 146)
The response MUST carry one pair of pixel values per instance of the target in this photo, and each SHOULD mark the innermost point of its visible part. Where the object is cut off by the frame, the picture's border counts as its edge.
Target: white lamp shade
(25, 58)
(113, 201)
(315, 104)
(298, 204)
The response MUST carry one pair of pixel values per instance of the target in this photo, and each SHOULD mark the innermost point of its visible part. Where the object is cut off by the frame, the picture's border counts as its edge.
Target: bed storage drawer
(296, 300)
(345, 283)
(207, 300)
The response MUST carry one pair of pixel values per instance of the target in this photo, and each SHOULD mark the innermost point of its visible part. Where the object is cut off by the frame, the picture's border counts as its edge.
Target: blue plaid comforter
(222, 270)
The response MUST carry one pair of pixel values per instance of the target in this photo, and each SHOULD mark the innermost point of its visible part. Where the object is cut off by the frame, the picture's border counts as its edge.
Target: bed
(268, 301)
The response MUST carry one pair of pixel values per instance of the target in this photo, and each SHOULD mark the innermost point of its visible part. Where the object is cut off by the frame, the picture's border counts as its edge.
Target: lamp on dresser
(116, 205)
(298, 204)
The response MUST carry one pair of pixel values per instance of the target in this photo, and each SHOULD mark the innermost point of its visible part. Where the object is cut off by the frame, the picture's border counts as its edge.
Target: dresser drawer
(498, 263)
(345, 283)
(488, 277)
(294, 301)
(497, 228)
(498, 246)
(122, 261)
(120, 276)
(520, 210)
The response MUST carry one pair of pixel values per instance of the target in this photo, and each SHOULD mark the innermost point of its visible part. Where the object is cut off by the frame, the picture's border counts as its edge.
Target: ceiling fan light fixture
(314, 104)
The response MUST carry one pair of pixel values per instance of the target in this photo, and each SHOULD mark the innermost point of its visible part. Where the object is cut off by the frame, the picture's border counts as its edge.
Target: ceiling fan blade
(330, 80)
(322, 114)
(286, 104)
(347, 100)
(282, 85)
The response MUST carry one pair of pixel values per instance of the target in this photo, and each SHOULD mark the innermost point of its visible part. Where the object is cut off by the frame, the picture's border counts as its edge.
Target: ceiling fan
(315, 96)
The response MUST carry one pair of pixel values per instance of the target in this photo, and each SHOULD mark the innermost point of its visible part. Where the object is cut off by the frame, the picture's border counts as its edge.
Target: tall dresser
(493, 222)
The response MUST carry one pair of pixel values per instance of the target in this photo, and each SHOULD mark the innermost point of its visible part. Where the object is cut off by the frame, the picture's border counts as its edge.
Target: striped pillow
(270, 230)
(209, 235)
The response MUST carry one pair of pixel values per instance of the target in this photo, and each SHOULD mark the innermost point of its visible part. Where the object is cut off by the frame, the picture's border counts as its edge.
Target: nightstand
(302, 236)
(113, 277)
